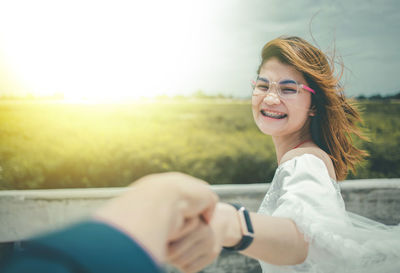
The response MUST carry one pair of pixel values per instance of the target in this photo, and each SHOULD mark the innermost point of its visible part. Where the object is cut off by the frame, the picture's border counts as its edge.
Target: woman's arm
(305, 184)
(276, 240)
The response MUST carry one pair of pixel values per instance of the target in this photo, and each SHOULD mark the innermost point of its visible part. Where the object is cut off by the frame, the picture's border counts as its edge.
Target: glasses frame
(278, 89)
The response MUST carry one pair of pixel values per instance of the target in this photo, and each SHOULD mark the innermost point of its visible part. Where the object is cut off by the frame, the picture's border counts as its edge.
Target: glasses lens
(260, 87)
(288, 88)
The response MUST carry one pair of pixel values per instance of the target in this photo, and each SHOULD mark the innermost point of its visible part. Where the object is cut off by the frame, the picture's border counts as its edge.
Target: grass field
(54, 145)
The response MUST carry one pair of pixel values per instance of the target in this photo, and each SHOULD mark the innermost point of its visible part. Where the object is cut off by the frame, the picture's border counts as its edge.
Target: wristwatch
(246, 227)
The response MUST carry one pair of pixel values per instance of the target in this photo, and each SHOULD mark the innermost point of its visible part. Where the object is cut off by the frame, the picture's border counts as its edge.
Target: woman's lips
(273, 114)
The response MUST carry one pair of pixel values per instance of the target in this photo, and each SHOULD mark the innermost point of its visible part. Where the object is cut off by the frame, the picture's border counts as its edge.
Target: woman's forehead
(274, 70)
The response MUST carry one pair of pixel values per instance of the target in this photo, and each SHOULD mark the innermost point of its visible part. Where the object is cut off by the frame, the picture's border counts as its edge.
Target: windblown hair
(336, 118)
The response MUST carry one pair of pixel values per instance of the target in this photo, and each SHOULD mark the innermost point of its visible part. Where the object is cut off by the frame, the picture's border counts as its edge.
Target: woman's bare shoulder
(316, 151)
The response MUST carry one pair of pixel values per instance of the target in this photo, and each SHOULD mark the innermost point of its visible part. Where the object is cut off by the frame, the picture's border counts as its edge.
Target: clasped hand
(199, 243)
(174, 216)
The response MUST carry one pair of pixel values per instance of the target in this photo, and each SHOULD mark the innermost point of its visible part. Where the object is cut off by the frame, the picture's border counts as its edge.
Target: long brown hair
(336, 118)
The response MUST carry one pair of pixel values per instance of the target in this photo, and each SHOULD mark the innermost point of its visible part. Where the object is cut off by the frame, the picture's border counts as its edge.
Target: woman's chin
(270, 126)
(270, 131)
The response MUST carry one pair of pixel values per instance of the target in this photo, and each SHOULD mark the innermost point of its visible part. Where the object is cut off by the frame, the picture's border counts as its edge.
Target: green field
(54, 145)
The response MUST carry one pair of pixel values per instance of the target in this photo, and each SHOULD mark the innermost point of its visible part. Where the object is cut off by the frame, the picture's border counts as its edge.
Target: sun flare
(107, 51)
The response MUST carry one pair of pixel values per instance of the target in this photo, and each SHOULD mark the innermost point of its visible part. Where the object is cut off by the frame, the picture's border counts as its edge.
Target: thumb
(201, 202)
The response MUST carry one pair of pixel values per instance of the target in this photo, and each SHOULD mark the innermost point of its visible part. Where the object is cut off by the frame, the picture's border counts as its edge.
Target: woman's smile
(272, 114)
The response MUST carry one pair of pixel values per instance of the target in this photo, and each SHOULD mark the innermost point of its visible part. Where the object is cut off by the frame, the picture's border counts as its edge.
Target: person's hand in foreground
(195, 248)
(163, 208)
(193, 251)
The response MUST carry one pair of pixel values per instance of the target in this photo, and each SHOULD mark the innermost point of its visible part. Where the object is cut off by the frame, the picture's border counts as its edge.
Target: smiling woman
(109, 50)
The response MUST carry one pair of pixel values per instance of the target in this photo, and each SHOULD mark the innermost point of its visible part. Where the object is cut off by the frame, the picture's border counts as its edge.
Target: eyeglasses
(286, 88)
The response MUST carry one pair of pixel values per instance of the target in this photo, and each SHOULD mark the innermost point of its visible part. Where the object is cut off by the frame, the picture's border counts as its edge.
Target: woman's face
(278, 116)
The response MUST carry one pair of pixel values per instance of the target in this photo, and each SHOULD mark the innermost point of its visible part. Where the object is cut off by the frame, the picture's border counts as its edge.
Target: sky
(119, 49)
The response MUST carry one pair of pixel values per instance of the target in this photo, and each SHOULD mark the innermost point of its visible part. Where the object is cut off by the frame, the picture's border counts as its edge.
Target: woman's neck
(283, 144)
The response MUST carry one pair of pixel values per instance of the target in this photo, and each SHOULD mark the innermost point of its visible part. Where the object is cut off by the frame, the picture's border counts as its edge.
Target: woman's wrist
(233, 232)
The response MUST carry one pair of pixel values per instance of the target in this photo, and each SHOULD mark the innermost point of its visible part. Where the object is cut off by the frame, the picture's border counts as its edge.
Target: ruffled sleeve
(306, 188)
(307, 195)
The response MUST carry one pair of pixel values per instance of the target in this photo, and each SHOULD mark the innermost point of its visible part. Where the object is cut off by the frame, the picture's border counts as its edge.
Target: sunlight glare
(103, 50)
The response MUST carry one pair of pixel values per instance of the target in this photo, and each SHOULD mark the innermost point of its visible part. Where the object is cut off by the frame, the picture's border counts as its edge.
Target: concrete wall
(26, 213)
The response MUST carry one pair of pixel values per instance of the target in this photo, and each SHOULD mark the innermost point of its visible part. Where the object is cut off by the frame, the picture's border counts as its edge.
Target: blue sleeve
(85, 247)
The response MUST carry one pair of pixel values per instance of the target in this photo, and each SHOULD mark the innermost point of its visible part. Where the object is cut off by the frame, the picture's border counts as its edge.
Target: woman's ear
(312, 111)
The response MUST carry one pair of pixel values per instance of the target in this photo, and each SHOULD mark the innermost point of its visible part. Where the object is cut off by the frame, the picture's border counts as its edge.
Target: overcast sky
(100, 48)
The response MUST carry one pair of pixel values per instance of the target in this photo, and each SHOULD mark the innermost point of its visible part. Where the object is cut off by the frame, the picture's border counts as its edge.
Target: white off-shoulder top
(339, 241)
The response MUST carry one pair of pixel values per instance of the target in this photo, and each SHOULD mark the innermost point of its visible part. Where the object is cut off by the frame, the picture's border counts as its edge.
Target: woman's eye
(263, 87)
(289, 91)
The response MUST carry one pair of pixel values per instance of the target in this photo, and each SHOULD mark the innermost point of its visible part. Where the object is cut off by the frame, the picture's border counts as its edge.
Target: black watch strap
(246, 228)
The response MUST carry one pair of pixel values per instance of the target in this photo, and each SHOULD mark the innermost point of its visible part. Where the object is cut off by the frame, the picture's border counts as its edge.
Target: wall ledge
(45, 210)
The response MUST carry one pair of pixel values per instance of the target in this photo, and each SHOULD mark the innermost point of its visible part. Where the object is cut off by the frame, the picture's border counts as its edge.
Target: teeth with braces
(272, 114)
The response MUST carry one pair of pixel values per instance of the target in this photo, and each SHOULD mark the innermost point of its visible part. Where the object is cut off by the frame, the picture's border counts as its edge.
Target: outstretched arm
(277, 240)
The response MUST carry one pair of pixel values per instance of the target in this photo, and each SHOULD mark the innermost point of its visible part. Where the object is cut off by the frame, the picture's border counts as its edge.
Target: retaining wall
(29, 212)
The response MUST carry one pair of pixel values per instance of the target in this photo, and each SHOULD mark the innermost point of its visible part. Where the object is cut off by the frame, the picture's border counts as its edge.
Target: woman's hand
(225, 224)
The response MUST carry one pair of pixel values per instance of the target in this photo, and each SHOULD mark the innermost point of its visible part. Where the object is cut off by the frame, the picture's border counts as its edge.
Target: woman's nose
(272, 98)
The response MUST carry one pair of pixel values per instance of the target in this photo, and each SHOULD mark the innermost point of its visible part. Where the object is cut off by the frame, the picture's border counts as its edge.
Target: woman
(302, 224)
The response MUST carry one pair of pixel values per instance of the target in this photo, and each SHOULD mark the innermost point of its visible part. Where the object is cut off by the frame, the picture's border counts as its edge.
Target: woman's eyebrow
(262, 79)
(287, 81)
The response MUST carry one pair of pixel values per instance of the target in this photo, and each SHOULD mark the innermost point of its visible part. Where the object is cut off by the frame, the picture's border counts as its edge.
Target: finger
(200, 248)
(189, 196)
(207, 214)
(190, 208)
(199, 264)
(195, 193)
(178, 248)
(199, 201)
(189, 226)
(188, 256)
